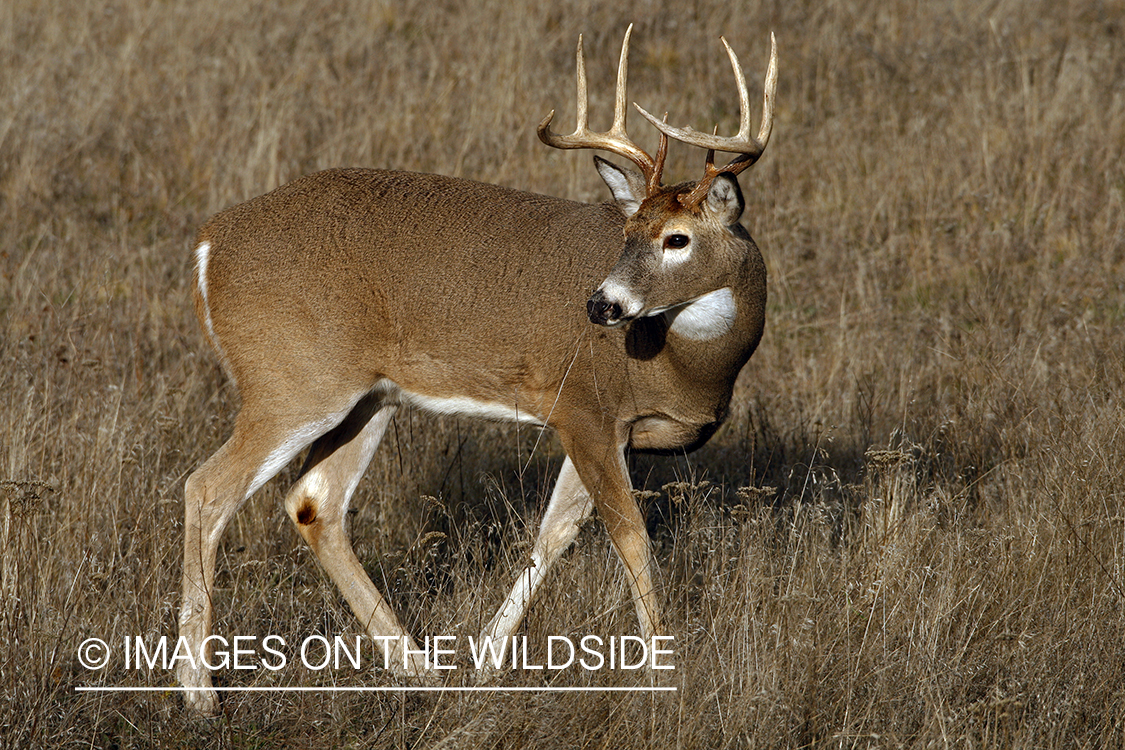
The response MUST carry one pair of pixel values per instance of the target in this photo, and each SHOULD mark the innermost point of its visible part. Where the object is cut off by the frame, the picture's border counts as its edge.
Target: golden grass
(937, 401)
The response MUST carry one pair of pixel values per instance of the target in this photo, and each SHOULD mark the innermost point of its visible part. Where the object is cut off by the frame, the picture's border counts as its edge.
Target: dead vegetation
(910, 533)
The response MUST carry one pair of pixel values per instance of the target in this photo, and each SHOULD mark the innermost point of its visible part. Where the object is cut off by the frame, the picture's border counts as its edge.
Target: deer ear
(627, 186)
(724, 199)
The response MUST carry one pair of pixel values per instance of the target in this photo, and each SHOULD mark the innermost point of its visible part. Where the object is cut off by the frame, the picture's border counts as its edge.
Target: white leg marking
(294, 444)
(569, 506)
(371, 439)
(508, 618)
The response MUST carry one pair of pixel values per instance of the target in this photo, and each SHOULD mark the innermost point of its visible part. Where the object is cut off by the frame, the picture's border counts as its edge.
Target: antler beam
(615, 140)
(748, 148)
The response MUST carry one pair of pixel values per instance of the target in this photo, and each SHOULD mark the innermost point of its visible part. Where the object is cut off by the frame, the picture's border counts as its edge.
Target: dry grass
(937, 401)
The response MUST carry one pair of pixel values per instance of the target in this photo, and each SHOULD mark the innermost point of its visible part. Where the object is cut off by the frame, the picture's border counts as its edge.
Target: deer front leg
(601, 464)
(569, 506)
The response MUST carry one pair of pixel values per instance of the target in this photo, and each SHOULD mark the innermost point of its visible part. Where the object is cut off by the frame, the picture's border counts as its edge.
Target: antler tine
(768, 98)
(742, 143)
(619, 93)
(615, 140)
(748, 148)
(658, 168)
(583, 98)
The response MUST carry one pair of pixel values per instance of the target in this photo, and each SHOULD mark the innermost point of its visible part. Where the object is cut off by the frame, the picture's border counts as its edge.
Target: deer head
(675, 236)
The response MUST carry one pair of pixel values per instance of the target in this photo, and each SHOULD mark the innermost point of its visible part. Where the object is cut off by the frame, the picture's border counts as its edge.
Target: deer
(343, 296)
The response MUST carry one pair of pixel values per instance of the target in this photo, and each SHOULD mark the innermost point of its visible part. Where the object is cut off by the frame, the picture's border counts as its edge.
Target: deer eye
(676, 241)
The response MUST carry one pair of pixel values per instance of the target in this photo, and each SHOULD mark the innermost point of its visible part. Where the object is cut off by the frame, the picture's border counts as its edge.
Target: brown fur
(326, 290)
(344, 295)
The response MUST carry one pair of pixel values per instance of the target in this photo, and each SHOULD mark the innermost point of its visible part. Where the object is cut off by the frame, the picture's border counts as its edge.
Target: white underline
(283, 689)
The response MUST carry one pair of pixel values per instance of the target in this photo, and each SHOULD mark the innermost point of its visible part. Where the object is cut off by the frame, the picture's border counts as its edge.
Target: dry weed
(935, 415)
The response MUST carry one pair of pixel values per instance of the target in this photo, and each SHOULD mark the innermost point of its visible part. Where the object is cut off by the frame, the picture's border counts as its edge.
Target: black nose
(602, 311)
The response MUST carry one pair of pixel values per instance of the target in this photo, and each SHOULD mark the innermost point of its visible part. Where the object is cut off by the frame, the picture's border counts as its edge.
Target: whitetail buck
(336, 299)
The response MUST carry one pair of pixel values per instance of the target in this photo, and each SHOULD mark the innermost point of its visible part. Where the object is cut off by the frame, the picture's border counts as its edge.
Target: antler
(743, 144)
(615, 140)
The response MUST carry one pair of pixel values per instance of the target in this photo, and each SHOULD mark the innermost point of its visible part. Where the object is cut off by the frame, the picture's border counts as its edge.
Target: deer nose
(603, 311)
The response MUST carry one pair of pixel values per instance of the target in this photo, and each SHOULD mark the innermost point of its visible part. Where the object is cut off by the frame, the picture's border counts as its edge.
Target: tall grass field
(910, 532)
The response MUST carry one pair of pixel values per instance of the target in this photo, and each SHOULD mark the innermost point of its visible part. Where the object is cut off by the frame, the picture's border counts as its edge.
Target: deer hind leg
(318, 506)
(258, 449)
(569, 506)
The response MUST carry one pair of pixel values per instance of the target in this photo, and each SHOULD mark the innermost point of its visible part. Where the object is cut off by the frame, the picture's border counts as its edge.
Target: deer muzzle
(603, 311)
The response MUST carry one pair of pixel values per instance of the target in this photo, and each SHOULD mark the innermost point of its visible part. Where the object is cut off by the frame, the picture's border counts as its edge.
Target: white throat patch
(707, 317)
